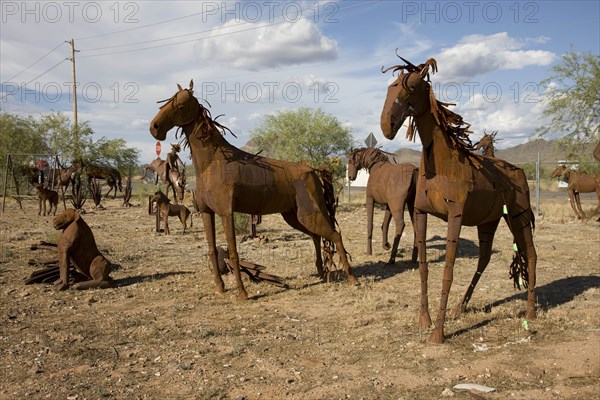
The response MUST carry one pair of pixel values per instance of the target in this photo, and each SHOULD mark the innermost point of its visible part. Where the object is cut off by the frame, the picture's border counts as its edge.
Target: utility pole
(75, 131)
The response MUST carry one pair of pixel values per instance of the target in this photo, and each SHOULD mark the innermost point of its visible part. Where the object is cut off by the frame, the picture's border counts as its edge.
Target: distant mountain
(406, 155)
(527, 152)
(251, 146)
(550, 153)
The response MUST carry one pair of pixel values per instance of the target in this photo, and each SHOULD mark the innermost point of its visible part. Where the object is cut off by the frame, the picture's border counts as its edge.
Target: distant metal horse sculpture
(579, 182)
(459, 187)
(230, 180)
(173, 178)
(62, 176)
(392, 185)
(111, 175)
(486, 144)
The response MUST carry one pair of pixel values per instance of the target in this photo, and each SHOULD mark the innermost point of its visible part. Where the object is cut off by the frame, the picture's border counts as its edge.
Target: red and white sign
(42, 165)
(158, 148)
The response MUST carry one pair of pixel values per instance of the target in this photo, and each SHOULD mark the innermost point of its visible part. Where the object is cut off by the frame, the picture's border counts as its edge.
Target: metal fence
(543, 188)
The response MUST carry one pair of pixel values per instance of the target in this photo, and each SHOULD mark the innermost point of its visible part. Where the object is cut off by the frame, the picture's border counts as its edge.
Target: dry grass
(163, 333)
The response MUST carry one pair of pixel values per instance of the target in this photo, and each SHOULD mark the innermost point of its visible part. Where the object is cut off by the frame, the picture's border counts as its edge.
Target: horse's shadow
(383, 270)
(132, 280)
(556, 293)
(466, 248)
(550, 295)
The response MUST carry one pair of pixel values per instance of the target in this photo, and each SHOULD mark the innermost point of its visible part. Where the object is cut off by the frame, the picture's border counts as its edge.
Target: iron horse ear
(179, 87)
(191, 84)
(412, 66)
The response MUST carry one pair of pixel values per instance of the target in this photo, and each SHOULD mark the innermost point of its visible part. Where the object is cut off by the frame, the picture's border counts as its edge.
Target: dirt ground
(162, 333)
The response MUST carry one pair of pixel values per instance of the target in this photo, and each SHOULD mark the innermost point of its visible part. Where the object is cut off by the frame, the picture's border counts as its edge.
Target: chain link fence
(548, 194)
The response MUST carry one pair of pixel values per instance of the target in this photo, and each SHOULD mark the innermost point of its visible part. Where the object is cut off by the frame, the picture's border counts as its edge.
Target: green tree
(54, 134)
(115, 152)
(19, 135)
(573, 100)
(58, 132)
(61, 138)
(304, 134)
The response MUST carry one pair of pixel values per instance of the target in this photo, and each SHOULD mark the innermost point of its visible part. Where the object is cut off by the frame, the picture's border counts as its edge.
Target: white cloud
(476, 102)
(255, 116)
(139, 122)
(514, 120)
(231, 123)
(266, 45)
(477, 54)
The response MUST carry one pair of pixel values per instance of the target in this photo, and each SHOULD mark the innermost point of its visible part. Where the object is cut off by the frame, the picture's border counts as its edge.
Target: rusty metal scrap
(253, 270)
(48, 271)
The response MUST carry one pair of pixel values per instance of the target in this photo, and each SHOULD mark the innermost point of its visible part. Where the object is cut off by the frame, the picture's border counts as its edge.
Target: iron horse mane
(369, 156)
(207, 124)
(451, 123)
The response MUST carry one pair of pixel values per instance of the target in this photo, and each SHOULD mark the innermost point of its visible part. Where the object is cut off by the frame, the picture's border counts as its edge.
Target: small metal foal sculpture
(391, 185)
(459, 187)
(230, 180)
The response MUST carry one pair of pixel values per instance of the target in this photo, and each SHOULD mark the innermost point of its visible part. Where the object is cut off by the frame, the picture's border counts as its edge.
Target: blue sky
(253, 58)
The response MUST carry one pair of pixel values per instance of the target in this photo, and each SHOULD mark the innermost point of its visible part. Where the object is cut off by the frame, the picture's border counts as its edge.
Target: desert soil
(162, 332)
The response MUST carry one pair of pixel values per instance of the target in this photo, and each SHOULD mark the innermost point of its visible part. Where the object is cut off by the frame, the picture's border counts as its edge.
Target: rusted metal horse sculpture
(391, 185)
(459, 187)
(486, 144)
(579, 182)
(173, 178)
(111, 175)
(230, 180)
(62, 176)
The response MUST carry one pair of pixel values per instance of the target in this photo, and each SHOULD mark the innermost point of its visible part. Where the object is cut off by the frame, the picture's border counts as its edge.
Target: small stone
(447, 393)
(536, 372)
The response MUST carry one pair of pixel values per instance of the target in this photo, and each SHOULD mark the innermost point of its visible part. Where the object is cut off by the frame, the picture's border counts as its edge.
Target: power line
(170, 37)
(36, 61)
(196, 33)
(148, 25)
(39, 76)
(178, 43)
